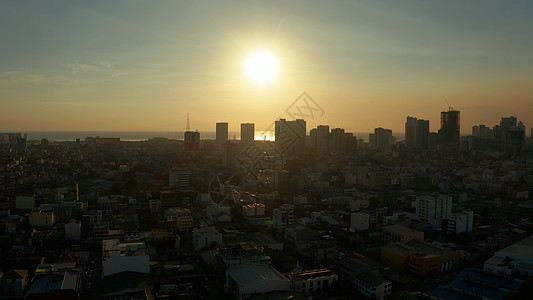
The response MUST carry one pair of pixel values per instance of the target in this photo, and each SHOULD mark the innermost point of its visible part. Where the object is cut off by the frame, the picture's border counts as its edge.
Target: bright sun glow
(261, 67)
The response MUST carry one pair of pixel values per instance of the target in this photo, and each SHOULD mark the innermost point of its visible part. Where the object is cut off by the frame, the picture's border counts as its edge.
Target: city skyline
(90, 67)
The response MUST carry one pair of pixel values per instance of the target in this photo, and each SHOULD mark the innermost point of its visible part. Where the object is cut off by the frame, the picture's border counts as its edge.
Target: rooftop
(249, 274)
(45, 283)
(399, 229)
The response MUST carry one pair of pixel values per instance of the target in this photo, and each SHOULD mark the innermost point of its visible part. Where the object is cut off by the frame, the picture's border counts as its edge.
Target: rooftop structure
(516, 259)
(248, 279)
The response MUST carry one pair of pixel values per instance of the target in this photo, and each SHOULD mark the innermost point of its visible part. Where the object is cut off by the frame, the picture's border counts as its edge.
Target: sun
(261, 67)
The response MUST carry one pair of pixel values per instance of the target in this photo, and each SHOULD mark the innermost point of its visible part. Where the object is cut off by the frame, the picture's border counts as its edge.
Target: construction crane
(447, 103)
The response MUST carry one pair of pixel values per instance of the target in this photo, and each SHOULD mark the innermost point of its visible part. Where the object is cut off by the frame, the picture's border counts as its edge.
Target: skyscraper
(514, 134)
(422, 133)
(222, 133)
(337, 141)
(383, 138)
(192, 141)
(475, 130)
(449, 132)
(410, 132)
(247, 133)
(290, 135)
(322, 139)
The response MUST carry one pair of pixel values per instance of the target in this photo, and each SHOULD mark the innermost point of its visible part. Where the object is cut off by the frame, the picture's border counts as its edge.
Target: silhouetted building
(410, 133)
(432, 141)
(475, 131)
(229, 153)
(247, 133)
(449, 132)
(422, 133)
(383, 138)
(322, 139)
(22, 143)
(290, 135)
(192, 141)
(337, 141)
(222, 133)
(514, 141)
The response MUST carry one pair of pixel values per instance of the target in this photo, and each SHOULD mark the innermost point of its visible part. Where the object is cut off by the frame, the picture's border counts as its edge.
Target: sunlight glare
(261, 67)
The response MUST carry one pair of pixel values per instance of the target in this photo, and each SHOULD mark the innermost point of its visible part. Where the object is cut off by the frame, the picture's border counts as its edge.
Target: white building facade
(433, 209)
(461, 222)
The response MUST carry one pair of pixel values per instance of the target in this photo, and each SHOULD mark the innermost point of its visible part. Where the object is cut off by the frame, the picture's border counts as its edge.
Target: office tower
(192, 141)
(383, 138)
(422, 133)
(290, 136)
(475, 131)
(322, 139)
(221, 133)
(433, 209)
(247, 133)
(410, 133)
(449, 132)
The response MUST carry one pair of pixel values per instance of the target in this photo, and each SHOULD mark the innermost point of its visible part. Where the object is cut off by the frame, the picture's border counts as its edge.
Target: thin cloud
(120, 74)
(17, 78)
(83, 67)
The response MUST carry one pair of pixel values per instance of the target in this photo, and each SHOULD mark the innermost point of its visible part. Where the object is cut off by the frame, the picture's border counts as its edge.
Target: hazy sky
(143, 65)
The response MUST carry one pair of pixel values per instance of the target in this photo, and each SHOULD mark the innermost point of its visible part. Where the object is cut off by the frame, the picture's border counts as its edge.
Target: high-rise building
(290, 135)
(432, 141)
(383, 138)
(509, 122)
(222, 133)
(22, 142)
(192, 141)
(513, 133)
(337, 141)
(475, 131)
(322, 139)
(514, 140)
(449, 132)
(247, 133)
(484, 132)
(422, 133)
(313, 138)
(229, 153)
(433, 209)
(410, 132)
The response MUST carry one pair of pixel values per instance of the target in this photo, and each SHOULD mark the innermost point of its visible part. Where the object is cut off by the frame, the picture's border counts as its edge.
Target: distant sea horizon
(63, 136)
